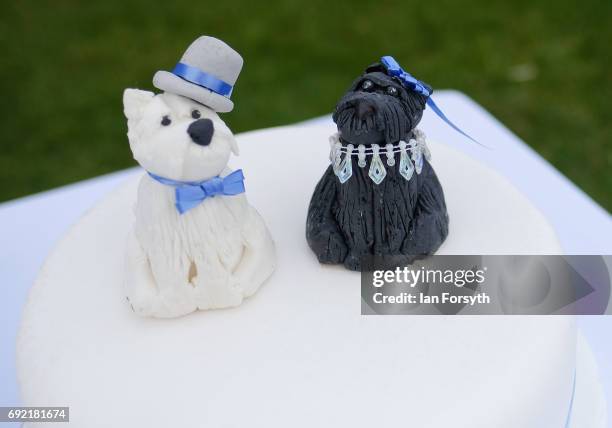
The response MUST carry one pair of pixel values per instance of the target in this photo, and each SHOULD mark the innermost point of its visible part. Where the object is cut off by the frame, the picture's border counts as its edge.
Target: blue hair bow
(395, 70)
(189, 194)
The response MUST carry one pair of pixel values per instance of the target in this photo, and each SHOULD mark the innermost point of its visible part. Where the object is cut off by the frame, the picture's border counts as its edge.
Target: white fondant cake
(298, 353)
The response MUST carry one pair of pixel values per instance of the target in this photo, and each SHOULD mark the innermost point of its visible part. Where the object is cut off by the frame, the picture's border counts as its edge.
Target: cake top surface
(298, 353)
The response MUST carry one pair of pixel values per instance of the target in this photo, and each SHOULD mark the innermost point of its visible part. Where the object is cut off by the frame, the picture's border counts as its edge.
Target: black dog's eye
(166, 121)
(392, 90)
(196, 114)
(366, 85)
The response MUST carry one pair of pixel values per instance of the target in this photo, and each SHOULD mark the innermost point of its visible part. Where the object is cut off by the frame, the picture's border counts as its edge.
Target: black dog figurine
(380, 196)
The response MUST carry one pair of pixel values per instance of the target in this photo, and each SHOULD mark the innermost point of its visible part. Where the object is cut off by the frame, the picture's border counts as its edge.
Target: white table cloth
(30, 226)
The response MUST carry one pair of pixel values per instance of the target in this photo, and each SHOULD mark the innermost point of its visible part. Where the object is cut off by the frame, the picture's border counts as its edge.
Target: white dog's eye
(166, 121)
(196, 114)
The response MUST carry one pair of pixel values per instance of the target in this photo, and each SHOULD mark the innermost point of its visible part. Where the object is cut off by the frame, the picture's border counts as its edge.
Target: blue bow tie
(395, 70)
(189, 194)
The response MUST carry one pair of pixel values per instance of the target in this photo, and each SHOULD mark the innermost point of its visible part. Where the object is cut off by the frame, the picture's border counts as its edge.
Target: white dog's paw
(219, 294)
(142, 305)
(176, 301)
(172, 302)
(246, 285)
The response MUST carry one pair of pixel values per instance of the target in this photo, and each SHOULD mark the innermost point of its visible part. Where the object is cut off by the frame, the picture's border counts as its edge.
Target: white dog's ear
(134, 102)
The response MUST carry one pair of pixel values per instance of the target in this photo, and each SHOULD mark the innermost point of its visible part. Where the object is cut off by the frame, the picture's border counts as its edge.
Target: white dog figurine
(197, 243)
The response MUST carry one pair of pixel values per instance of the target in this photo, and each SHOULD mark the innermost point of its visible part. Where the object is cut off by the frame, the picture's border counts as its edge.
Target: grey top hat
(206, 73)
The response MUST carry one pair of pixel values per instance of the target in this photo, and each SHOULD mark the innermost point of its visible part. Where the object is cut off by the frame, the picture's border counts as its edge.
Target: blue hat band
(198, 77)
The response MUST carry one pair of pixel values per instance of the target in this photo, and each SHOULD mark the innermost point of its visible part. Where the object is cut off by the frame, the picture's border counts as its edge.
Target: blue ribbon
(198, 77)
(394, 69)
(189, 194)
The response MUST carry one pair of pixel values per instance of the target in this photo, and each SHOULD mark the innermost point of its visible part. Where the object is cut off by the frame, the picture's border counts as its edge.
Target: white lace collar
(343, 166)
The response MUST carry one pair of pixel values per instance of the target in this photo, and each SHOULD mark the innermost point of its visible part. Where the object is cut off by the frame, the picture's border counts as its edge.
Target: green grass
(543, 68)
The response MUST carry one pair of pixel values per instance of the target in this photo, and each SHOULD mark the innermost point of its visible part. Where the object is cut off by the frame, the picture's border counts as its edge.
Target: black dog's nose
(364, 109)
(201, 131)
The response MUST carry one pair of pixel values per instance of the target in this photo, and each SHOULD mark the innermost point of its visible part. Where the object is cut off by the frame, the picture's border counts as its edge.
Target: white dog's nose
(201, 131)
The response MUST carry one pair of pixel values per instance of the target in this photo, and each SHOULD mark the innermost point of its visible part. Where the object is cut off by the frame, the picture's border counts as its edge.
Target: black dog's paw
(329, 248)
(352, 262)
